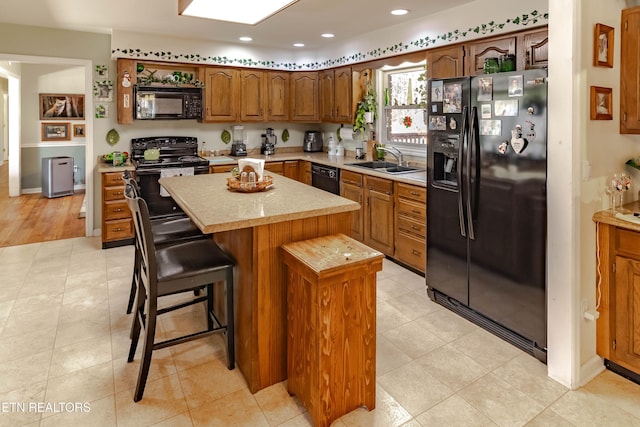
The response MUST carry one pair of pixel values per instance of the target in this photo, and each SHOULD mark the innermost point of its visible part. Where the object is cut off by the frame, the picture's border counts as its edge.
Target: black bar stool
(179, 267)
(165, 230)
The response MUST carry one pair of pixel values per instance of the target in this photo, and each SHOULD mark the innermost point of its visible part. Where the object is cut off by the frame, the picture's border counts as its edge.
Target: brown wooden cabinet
(222, 94)
(411, 225)
(378, 214)
(125, 100)
(253, 95)
(292, 169)
(630, 71)
(274, 167)
(305, 172)
(304, 97)
(326, 84)
(277, 96)
(478, 51)
(336, 95)
(117, 224)
(351, 187)
(221, 168)
(445, 62)
(617, 331)
(533, 49)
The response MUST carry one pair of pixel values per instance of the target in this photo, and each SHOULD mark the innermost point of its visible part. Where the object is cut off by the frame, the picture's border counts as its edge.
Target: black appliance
(487, 171)
(171, 155)
(326, 178)
(167, 103)
(312, 141)
(269, 141)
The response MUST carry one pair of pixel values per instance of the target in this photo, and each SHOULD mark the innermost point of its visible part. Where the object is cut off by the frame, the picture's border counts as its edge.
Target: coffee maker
(269, 141)
(238, 147)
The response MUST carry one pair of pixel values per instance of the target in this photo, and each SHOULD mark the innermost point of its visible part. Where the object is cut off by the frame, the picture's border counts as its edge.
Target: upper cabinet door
(277, 96)
(493, 48)
(445, 62)
(533, 50)
(343, 95)
(222, 94)
(253, 96)
(304, 97)
(630, 71)
(327, 95)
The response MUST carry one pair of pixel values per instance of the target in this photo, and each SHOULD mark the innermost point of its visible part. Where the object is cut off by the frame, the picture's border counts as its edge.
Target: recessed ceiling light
(327, 35)
(399, 12)
(241, 11)
(298, 44)
(246, 39)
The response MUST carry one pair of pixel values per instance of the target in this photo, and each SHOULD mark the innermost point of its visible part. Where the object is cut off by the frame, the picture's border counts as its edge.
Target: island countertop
(214, 208)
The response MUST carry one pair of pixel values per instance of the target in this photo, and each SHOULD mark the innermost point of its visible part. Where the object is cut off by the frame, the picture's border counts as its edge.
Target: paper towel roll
(346, 133)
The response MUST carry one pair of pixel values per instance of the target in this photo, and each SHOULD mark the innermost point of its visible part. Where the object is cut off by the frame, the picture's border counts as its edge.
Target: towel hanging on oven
(169, 172)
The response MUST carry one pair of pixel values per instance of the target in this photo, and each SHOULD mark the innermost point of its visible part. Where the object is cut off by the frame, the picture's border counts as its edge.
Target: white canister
(340, 150)
(332, 148)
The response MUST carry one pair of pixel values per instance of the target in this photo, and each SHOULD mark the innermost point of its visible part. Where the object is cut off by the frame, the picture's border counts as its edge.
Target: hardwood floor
(32, 218)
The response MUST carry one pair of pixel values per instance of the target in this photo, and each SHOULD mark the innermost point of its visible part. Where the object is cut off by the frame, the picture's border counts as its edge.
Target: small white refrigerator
(57, 176)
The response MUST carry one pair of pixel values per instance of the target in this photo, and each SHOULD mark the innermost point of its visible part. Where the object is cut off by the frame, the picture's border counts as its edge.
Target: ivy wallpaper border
(395, 49)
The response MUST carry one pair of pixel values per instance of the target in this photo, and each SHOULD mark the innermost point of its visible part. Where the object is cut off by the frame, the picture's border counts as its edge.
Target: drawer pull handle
(118, 193)
(117, 210)
(414, 193)
(416, 211)
(117, 229)
(415, 227)
(415, 252)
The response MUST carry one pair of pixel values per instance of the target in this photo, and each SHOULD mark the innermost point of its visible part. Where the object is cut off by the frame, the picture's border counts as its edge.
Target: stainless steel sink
(386, 167)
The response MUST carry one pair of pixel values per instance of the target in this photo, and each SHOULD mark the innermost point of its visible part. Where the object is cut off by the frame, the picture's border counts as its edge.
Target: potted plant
(367, 111)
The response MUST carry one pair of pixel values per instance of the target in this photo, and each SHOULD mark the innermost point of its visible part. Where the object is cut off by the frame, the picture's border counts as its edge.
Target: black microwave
(167, 103)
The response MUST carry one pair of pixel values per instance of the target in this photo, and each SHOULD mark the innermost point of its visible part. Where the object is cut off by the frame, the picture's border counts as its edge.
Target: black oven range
(158, 156)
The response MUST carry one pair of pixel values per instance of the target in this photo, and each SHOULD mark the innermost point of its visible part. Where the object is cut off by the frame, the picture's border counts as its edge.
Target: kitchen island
(252, 227)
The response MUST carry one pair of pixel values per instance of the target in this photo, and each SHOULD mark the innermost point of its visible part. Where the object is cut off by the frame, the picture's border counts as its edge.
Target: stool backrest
(144, 240)
(128, 179)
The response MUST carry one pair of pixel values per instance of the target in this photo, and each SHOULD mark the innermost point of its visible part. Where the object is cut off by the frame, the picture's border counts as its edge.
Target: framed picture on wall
(78, 131)
(55, 131)
(603, 46)
(601, 103)
(61, 106)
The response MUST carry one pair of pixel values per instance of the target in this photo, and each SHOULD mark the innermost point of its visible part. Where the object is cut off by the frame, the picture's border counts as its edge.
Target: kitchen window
(403, 118)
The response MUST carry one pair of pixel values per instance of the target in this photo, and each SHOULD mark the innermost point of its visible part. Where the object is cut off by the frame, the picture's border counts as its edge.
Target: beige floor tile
(304, 420)
(528, 375)
(80, 355)
(83, 311)
(238, 409)
(388, 288)
(413, 340)
(486, 349)
(43, 285)
(388, 412)
(388, 356)
(414, 304)
(126, 374)
(583, 408)
(74, 332)
(20, 253)
(9, 293)
(548, 418)
(16, 347)
(210, 381)
(194, 353)
(21, 373)
(451, 367)
(87, 279)
(500, 402)
(182, 420)
(86, 295)
(388, 317)
(5, 309)
(24, 323)
(277, 405)
(15, 409)
(162, 399)
(454, 411)
(37, 303)
(446, 325)
(98, 413)
(88, 384)
(617, 390)
(414, 388)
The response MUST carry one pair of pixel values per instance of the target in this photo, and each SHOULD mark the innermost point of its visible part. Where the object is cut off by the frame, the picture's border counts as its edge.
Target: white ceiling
(302, 22)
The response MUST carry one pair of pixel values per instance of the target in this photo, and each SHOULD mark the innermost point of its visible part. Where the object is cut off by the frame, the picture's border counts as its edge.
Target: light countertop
(213, 208)
(609, 217)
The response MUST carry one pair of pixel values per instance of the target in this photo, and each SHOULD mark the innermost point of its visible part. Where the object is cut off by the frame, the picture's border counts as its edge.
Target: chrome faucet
(395, 153)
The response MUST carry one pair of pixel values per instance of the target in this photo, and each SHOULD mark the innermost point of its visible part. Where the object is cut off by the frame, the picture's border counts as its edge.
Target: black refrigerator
(486, 203)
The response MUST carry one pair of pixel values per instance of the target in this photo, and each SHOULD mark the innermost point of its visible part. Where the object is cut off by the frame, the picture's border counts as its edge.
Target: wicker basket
(234, 184)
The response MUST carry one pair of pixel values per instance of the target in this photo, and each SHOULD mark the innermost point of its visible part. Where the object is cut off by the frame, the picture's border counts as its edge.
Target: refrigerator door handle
(463, 137)
(473, 145)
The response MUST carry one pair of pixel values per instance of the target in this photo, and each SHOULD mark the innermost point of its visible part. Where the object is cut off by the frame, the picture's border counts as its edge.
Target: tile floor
(64, 341)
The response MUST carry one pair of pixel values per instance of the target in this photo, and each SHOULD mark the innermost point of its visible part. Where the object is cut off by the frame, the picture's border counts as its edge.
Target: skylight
(241, 11)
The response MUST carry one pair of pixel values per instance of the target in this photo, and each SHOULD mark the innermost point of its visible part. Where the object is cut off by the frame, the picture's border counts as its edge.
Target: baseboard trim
(591, 369)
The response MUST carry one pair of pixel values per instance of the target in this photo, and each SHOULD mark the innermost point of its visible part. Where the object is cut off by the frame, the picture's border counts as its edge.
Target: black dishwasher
(326, 178)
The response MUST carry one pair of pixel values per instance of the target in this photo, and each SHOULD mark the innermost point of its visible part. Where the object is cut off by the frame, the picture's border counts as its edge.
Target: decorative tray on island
(246, 182)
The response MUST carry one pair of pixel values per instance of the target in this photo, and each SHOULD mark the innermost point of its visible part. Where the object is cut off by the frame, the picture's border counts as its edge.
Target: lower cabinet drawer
(114, 193)
(412, 251)
(627, 242)
(116, 210)
(118, 229)
(412, 226)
